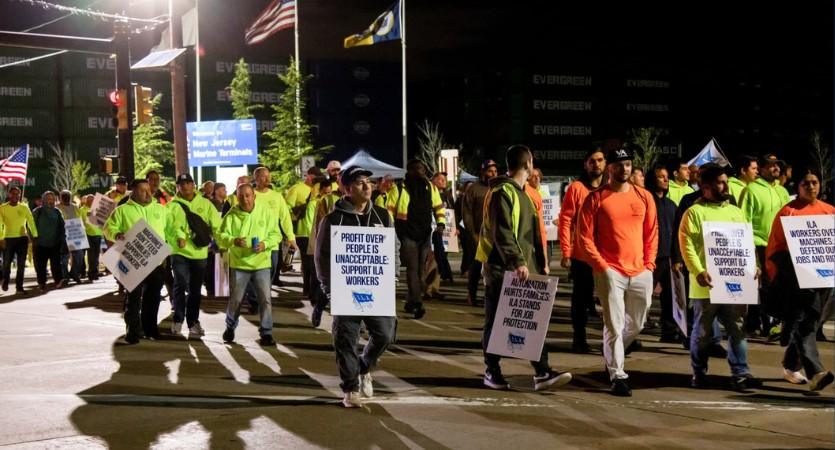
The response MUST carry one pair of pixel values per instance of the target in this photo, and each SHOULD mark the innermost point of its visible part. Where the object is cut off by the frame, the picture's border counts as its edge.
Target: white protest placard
(362, 271)
(731, 263)
(76, 236)
(811, 242)
(522, 316)
(132, 259)
(679, 300)
(450, 239)
(100, 210)
(550, 211)
(221, 274)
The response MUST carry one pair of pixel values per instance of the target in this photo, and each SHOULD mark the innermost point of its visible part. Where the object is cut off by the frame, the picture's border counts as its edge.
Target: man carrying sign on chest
(142, 303)
(714, 206)
(355, 209)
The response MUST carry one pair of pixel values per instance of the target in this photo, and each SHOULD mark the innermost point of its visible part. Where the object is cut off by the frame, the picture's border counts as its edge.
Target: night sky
(756, 76)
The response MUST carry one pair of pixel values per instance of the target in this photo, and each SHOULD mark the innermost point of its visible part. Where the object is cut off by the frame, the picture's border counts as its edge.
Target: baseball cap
(349, 175)
(334, 165)
(487, 163)
(770, 158)
(618, 154)
(121, 180)
(315, 171)
(185, 178)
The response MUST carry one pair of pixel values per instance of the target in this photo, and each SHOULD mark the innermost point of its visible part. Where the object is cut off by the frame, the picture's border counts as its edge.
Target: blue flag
(386, 27)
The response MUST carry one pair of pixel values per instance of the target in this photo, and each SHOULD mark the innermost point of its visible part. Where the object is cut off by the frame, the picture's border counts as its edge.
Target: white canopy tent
(378, 168)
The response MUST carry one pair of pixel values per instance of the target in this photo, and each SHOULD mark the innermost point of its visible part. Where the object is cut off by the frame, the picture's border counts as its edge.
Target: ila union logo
(123, 267)
(825, 273)
(363, 301)
(734, 288)
(515, 340)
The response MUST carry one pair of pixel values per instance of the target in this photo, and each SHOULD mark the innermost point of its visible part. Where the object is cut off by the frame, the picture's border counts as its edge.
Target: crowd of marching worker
(624, 233)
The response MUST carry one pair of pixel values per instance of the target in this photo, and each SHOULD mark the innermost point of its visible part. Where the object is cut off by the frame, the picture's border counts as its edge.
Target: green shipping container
(87, 93)
(88, 123)
(28, 123)
(88, 65)
(28, 92)
(42, 68)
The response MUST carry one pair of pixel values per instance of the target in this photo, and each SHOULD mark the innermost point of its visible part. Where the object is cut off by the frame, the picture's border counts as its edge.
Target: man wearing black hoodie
(510, 240)
(355, 209)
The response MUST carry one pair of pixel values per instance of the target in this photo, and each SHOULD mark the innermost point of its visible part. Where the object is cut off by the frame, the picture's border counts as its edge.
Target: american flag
(280, 14)
(14, 167)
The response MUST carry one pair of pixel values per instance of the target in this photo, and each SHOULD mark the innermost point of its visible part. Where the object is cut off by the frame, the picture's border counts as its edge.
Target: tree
(647, 151)
(239, 91)
(431, 142)
(821, 157)
(290, 139)
(67, 171)
(151, 148)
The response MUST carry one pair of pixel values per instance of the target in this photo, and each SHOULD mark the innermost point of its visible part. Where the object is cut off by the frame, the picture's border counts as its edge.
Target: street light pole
(178, 91)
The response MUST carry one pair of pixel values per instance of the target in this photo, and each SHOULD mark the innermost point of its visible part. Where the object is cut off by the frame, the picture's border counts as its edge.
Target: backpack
(201, 233)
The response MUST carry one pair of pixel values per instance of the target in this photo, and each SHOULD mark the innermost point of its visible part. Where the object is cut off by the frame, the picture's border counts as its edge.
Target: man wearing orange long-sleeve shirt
(582, 294)
(618, 231)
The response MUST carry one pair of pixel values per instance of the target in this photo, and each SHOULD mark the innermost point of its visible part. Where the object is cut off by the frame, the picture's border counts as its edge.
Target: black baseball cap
(121, 180)
(487, 164)
(618, 154)
(184, 178)
(771, 158)
(350, 174)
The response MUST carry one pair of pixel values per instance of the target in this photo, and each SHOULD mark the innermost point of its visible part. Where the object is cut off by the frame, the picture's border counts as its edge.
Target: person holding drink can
(248, 231)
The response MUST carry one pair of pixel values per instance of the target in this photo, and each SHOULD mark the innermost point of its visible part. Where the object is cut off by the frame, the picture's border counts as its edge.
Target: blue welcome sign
(222, 143)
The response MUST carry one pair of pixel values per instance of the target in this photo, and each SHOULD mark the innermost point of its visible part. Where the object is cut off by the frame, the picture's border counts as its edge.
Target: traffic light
(143, 108)
(120, 109)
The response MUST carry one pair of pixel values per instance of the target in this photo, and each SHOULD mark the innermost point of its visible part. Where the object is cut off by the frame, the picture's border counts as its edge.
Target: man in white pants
(618, 229)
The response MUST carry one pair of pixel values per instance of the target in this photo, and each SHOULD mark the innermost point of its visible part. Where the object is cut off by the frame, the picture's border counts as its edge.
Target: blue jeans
(732, 318)
(238, 281)
(188, 278)
(77, 264)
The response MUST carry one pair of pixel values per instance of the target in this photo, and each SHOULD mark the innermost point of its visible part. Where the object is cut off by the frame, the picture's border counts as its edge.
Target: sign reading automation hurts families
(522, 317)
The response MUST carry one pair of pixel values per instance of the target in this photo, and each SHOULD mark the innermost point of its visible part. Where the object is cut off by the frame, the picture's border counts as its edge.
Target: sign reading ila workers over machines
(222, 143)
(731, 263)
(133, 258)
(100, 209)
(76, 236)
(362, 271)
(522, 316)
(811, 242)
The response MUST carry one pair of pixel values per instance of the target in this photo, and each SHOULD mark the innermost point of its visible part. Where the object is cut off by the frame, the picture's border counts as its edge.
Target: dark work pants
(209, 275)
(757, 319)
(142, 306)
(662, 275)
(802, 349)
(188, 281)
(308, 268)
(467, 249)
(346, 333)
(491, 304)
(42, 255)
(17, 248)
(582, 295)
(93, 256)
(473, 278)
(444, 270)
(414, 255)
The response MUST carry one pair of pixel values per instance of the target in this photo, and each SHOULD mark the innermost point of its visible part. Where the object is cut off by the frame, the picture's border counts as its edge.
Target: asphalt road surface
(68, 381)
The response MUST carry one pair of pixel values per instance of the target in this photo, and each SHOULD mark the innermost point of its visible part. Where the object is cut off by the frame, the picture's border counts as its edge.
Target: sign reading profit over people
(222, 143)
(362, 271)
(450, 237)
(522, 316)
(731, 263)
(550, 211)
(133, 258)
(811, 242)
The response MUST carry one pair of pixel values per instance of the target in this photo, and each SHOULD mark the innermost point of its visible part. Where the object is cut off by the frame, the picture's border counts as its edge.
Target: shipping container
(42, 68)
(28, 123)
(89, 123)
(88, 65)
(28, 92)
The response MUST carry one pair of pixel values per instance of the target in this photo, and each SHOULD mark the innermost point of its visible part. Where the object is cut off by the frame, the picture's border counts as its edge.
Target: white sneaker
(366, 386)
(352, 400)
(176, 328)
(196, 330)
(552, 378)
(794, 377)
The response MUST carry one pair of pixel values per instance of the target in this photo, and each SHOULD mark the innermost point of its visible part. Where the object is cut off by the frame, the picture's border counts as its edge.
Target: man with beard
(472, 211)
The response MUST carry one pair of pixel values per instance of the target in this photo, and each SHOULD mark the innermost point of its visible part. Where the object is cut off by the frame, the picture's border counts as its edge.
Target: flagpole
(23, 185)
(403, 58)
(298, 85)
(197, 74)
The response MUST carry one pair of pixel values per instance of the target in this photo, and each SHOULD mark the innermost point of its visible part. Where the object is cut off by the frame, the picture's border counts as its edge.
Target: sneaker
(176, 328)
(267, 340)
(821, 380)
(633, 347)
(794, 377)
(471, 301)
(366, 385)
(552, 378)
(20, 291)
(495, 381)
(743, 383)
(196, 330)
(580, 347)
(316, 316)
(409, 307)
(42, 287)
(717, 351)
(620, 388)
(131, 339)
(699, 381)
(352, 400)
(669, 339)
(59, 285)
(229, 335)
(419, 313)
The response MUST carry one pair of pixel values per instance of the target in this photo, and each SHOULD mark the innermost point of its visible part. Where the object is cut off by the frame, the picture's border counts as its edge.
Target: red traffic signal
(115, 98)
